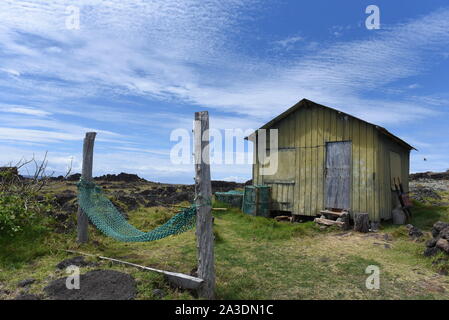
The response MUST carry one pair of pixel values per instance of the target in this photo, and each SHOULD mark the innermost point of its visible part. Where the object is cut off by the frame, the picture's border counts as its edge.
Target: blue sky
(136, 70)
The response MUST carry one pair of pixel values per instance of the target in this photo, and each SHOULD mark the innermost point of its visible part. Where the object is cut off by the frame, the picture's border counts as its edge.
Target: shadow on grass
(24, 247)
(260, 228)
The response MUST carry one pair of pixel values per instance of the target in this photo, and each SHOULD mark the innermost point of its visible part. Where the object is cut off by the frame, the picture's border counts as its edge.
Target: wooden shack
(328, 159)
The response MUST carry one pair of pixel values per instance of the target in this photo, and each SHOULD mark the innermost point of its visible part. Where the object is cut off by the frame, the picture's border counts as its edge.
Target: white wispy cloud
(24, 110)
(413, 86)
(184, 52)
(288, 42)
(177, 33)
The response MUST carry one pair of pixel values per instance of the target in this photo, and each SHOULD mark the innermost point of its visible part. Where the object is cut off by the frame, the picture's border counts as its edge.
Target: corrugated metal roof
(305, 102)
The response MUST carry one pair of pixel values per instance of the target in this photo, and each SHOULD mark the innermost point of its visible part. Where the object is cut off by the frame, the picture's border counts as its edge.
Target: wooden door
(395, 172)
(338, 175)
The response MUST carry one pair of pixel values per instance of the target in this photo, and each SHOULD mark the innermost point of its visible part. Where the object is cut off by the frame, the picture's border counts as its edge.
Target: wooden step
(333, 213)
(328, 222)
(283, 218)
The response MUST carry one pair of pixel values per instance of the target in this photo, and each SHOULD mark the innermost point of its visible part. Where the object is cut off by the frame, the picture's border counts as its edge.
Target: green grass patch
(424, 216)
(23, 247)
(264, 228)
(256, 258)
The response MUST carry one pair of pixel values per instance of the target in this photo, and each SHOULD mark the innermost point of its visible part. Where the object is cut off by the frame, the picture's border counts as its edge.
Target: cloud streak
(186, 55)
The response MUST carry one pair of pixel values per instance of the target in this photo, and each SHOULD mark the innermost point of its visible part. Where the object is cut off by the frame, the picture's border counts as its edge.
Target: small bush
(17, 212)
(13, 214)
(22, 204)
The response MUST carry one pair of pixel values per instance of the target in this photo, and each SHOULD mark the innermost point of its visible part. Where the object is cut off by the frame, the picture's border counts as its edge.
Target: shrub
(13, 214)
(21, 201)
(17, 212)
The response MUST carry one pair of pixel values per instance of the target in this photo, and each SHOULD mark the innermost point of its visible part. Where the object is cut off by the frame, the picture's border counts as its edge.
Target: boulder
(424, 194)
(430, 175)
(431, 251)
(58, 178)
(10, 170)
(8, 174)
(180, 197)
(431, 243)
(225, 186)
(130, 202)
(26, 282)
(414, 232)
(70, 207)
(121, 177)
(65, 196)
(438, 227)
(74, 177)
(443, 244)
(444, 233)
(75, 261)
(158, 293)
(146, 193)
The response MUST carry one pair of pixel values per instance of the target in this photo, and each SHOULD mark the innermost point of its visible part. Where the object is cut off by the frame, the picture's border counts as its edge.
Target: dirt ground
(95, 285)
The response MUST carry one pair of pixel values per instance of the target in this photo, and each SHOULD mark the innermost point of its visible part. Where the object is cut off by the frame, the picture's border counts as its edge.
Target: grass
(24, 247)
(256, 258)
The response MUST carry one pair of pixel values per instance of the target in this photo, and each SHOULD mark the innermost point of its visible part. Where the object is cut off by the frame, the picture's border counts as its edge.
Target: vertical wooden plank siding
(355, 165)
(363, 169)
(308, 180)
(381, 176)
(340, 127)
(320, 161)
(347, 128)
(307, 130)
(406, 173)
(376, 175)
(384, 168)
(298, 186)
(313, 164)
(369, 170)
(302, 151)
(290, 195)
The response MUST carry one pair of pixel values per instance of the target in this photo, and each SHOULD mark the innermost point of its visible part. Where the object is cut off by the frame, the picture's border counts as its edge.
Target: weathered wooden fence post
(203, 199)
(86, 174)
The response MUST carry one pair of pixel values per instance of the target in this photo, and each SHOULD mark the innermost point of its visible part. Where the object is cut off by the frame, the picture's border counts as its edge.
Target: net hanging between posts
(103, 214)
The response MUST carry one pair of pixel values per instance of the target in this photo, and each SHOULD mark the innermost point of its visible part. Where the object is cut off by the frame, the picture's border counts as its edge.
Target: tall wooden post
(203, 198)
(86, 174)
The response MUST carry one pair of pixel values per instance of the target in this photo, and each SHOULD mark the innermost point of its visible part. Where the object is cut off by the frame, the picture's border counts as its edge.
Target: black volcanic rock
(74, 177)
(430, 175)
(121, 177)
